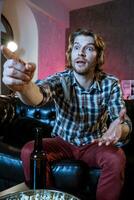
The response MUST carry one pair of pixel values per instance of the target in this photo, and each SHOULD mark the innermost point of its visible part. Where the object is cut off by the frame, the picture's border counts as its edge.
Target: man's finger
(10, 55)
(30, 67)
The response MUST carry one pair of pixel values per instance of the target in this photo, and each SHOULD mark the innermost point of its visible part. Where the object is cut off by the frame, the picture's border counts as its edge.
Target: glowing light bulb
(12, 46)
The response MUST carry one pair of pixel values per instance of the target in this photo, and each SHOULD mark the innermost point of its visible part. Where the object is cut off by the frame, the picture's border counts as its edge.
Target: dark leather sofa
(17, 126)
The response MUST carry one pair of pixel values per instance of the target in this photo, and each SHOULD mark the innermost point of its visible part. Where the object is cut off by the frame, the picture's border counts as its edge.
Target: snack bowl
(39, 195)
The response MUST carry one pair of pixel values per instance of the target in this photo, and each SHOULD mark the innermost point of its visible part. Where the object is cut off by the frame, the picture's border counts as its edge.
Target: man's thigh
(95, 155)
(55, 148)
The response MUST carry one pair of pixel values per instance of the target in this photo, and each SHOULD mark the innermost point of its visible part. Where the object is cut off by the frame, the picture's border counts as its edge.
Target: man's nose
(81, 53)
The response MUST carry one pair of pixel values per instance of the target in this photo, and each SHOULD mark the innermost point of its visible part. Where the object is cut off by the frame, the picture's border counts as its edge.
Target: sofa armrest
(22, 130)
(7, 112)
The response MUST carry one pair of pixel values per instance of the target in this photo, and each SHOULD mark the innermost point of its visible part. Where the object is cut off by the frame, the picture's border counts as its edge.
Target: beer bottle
(38, 161)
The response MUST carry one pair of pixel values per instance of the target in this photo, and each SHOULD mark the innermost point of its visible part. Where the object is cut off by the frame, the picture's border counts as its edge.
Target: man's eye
(90, 49)
(76, 47)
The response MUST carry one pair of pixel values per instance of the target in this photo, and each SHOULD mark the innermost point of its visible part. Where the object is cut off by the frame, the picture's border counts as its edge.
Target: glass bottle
(38, 161)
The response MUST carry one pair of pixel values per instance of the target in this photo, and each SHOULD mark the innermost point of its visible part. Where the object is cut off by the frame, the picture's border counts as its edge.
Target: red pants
(110, 159)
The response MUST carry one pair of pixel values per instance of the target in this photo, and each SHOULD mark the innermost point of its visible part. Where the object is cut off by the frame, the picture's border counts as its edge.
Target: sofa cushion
(70, 174)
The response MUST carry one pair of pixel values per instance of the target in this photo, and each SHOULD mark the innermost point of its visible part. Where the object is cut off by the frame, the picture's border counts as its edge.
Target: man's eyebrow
(90, 43)
(76, 43)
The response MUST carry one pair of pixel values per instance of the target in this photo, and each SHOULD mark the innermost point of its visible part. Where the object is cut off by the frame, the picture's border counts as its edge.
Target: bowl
(39, 195)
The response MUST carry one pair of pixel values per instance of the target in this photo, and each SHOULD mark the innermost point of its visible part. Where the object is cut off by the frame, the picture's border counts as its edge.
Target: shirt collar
(96, 85)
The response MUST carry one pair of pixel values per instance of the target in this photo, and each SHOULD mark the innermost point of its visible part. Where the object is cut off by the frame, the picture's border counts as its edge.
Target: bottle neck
(38, 146)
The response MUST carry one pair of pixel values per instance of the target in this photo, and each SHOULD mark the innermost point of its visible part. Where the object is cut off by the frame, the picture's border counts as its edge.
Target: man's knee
(27, 149)
(115, 160)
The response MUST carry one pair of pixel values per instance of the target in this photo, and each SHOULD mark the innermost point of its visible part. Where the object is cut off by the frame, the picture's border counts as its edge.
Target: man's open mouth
(81, 62)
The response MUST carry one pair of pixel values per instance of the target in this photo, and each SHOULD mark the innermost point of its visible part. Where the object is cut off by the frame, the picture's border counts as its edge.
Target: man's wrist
(125, 129)
(31, 94)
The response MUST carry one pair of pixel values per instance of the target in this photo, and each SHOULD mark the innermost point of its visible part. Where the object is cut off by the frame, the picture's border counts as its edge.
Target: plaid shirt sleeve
(116, 103)
(50, 88)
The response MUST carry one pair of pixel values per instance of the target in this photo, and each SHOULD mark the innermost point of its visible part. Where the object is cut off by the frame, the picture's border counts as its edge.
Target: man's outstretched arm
(17, 75)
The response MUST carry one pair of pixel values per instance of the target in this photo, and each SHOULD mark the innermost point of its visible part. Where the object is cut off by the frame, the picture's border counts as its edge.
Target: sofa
(18, 123)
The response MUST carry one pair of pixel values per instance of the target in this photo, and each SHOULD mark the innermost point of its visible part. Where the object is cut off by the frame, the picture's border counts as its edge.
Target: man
(84, 97)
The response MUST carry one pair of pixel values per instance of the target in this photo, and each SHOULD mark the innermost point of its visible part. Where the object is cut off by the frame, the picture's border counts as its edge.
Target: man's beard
(83, 70)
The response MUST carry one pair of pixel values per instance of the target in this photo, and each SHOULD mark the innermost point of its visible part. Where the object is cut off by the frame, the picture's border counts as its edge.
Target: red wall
(51, 50)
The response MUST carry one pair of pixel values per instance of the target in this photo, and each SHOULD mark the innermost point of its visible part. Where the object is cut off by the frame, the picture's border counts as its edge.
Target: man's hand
(114, 132)
(16, 73)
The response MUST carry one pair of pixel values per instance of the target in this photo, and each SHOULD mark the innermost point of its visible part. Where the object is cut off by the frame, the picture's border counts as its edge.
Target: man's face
(84, 54)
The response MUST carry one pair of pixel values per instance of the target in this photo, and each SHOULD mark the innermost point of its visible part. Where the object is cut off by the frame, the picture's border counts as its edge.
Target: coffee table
(22, 192)
(18, 188)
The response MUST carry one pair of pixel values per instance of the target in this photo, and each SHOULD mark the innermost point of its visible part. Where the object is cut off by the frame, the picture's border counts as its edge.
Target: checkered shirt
(81, 115)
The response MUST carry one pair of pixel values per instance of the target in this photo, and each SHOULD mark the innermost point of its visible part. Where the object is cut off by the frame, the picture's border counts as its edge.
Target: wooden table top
(18, 188)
